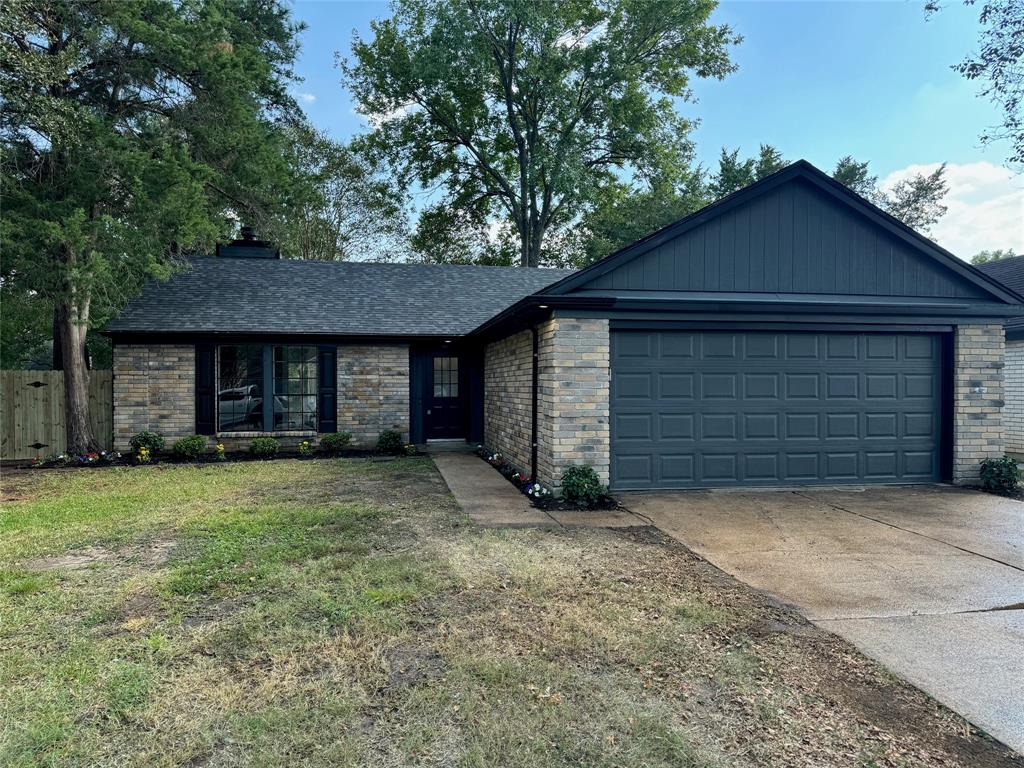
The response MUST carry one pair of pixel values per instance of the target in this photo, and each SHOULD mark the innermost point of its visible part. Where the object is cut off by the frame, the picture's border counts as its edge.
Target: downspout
(533, 425)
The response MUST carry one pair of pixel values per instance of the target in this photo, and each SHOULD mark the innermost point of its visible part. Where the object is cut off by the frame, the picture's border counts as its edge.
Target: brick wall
(1013, 411)
(373, 391)
(508, 397)
(978, 402)
(154, 389)
(573, 397)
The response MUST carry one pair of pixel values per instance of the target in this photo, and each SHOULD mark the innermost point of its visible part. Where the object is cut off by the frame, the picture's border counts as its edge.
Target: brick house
(1010, 272)
(789, 334)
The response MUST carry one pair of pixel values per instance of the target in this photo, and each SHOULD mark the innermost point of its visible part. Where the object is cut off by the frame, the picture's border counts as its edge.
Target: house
(1010, 272)
(791, 333)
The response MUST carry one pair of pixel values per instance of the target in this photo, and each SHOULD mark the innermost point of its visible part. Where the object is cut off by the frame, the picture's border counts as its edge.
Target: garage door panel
(700, 409)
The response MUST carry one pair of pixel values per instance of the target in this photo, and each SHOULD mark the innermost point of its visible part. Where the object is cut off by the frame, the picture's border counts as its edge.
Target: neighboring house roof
(249, 295)
(1009, 272)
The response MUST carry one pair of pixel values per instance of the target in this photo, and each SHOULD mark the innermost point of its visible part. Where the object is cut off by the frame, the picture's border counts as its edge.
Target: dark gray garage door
(716, 408)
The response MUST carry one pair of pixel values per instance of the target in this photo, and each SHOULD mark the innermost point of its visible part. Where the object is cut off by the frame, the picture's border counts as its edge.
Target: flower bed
(540, 495)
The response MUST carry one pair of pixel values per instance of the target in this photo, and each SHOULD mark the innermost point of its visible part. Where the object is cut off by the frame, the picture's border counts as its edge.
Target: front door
(444, 412)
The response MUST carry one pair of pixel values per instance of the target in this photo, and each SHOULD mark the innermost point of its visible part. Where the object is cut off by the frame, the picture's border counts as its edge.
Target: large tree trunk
(72, 322)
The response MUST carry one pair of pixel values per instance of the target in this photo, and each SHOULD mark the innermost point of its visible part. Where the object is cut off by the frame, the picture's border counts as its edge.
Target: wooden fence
(32, 412)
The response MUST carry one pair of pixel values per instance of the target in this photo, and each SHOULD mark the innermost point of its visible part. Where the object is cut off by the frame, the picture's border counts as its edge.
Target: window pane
(295, 388)
(446, 377)
(240, 388)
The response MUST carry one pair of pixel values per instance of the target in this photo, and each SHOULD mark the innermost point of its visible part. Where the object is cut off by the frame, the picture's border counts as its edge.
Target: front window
(246, 371)
(295, 388)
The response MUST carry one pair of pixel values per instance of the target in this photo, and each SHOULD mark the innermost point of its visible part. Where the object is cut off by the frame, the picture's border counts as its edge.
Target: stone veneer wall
(154, 389)
(508, 398)
(573, 397)
(373, 391)
(978, 399)
(1013, 411)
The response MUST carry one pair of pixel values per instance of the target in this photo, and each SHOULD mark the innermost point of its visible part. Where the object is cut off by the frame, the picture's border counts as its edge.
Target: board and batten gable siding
(791, 239)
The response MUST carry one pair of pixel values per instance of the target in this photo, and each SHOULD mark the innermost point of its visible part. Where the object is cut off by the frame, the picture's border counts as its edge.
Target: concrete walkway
(927, 580)
(493, 502)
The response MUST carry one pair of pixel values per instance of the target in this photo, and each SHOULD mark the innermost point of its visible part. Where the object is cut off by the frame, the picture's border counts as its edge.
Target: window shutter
(206, 385)
(328, 399)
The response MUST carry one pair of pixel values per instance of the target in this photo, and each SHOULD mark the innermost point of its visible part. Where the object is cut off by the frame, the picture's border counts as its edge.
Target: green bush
(189, 448)
(264, 447)
(151, 441)
(1001, 475)
(581, 485)
(335, 442)
(390, 441)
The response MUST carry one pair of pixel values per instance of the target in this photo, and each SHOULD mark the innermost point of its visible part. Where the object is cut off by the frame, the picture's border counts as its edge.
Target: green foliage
(189, 448)
(131, 133)
(1001, 475)
(151, 441)
(264, 447)
(390, 441)
(581, 485)
(335, 442)
(734, 174)
(984, 257)
(523, 111)
(306, 448)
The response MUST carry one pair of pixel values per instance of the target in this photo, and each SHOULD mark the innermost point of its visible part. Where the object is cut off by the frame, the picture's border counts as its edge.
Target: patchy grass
(345, 613)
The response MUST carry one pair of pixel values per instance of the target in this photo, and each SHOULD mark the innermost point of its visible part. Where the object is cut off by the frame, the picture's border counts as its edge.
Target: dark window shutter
(328, 403)
(206, 385)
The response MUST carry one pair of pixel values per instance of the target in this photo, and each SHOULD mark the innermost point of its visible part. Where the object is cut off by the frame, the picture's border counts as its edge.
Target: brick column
(508, 397)
(573, 397)
(978, 399)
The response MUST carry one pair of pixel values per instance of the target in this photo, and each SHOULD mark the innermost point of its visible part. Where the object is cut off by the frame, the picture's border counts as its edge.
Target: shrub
(151, 441)
(335, 442)
(390, 441)
(581, 485)
(1002, 474)
(305, 449)
(264, 447)
(189, 448)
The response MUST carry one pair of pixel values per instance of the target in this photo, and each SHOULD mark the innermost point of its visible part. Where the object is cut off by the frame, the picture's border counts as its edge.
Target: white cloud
(376, 119)
(985, 207)
(306, 98)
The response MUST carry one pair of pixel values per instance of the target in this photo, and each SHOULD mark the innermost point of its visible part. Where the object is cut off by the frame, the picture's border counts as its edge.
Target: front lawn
(344, 613)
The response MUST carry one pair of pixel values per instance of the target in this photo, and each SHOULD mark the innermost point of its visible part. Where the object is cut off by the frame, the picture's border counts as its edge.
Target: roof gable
(795, 232)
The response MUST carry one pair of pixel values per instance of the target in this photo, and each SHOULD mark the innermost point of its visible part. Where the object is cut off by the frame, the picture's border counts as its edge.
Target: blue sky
(816, 79)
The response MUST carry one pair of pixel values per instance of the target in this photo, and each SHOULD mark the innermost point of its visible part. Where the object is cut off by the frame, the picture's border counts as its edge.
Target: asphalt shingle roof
(239, 295)
(1009, 272)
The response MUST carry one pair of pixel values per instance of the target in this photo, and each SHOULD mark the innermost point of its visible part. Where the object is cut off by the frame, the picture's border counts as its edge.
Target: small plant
(581, 485)
(1001, 475)
(410, 449)
(219, 452)
(152, 441)
(189, 448)
(264, 447)
(536, 491)
(335, 442)
(143, 457)
(390, 441)
(305, 449)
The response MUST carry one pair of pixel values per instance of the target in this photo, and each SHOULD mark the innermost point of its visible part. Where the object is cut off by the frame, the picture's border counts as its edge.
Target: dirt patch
(212, 611)
(155, 553)
(71, 561)
(408, 666)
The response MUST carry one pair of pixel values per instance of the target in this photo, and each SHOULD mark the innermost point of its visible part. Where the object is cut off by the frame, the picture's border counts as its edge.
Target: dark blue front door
(445, 415)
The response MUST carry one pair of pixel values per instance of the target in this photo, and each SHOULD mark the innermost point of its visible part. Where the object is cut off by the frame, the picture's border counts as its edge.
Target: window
(446, 377)
(246, 371)
(295, 388)
(240, 388)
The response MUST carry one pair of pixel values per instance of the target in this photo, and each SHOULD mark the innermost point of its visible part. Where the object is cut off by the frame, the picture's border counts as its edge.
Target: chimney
(248, 247)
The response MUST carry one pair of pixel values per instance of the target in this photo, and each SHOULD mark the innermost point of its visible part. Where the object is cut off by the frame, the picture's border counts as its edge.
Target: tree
(131, 131)
(984, 257)
(999, 65)
(523, 109)
(341, 207)
(735, 174)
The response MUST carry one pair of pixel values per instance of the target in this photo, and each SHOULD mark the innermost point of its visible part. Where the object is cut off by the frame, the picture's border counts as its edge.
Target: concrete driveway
(928, 580)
